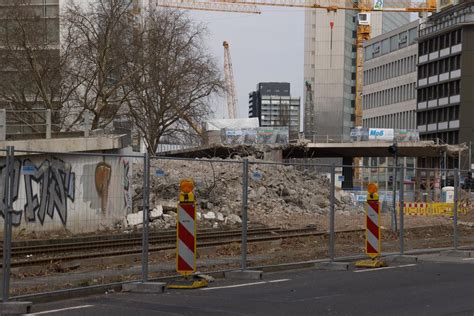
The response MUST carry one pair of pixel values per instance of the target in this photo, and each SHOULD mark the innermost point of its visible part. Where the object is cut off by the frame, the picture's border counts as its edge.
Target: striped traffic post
(186, 230)
(372, 223)
(372, 230)
(186, 239)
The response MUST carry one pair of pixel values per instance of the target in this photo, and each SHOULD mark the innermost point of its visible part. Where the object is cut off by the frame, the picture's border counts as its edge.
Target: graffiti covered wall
(76, 193)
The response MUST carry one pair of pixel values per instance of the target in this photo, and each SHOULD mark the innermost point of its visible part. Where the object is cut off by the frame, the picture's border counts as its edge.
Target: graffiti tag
(16, 214)
(56, 186)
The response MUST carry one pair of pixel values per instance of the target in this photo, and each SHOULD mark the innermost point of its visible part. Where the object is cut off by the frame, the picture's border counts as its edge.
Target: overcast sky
(265, 47)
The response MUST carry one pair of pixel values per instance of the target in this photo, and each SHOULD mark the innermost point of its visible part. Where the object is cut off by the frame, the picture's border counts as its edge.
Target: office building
(389, 83)
(445, 96)
(330, 66)
(274, 106)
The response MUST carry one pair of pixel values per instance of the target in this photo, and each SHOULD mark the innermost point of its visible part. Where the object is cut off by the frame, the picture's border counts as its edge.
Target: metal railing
(26, 122)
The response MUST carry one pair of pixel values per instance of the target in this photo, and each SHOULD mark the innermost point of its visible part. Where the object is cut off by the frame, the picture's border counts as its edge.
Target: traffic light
(393, 149)
(468, 183)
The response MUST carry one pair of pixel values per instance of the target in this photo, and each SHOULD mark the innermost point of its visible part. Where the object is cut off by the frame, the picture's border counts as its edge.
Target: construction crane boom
(334, 5)
(207, 6)
(230, 83)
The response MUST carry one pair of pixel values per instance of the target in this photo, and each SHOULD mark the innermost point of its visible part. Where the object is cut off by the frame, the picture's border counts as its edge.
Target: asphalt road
(428, 288)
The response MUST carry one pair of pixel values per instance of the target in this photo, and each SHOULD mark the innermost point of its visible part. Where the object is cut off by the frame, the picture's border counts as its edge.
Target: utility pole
(393, 149)
(470, 156)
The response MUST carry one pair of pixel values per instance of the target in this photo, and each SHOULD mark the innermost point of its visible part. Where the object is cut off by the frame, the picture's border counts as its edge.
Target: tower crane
(229, 83)
(363, 8)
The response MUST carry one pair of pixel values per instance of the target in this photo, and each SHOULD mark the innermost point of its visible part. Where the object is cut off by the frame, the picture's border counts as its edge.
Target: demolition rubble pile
(273, 190)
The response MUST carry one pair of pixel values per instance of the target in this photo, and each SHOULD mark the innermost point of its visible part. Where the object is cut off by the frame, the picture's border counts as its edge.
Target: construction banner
(431, 209)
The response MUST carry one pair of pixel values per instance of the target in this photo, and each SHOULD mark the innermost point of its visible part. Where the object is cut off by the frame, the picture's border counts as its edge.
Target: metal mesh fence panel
(6, 167)
(218, 196)
(72, 216)
(293, 201)
(351, 209)
(428, 208)
(466, 209)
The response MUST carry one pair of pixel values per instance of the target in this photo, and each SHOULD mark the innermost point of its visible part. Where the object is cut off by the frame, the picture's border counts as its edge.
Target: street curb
(456, 253)
(401, 259)
(15, 308)
(334, 266)
(244, 275)
(144, 287)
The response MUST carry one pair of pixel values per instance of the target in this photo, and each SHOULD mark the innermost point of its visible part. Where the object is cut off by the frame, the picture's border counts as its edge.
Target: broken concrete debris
(280, 189)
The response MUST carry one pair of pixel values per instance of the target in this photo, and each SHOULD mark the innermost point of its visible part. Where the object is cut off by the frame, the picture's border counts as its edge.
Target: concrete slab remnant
(401, 259)
(244, 275)
(15, 308)
(334, 266)
(144, 287)
(456, 253)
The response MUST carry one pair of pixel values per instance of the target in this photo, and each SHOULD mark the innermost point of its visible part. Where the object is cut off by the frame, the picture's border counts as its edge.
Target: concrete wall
(60, 192)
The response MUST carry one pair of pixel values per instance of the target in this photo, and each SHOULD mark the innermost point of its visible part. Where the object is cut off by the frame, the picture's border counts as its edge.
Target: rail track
(43, 253)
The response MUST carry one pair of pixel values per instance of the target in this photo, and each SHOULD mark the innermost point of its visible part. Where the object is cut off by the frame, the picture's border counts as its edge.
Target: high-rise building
(274, 106)
(389, 83)
(35, 23)
(330, 66)
(445, 105)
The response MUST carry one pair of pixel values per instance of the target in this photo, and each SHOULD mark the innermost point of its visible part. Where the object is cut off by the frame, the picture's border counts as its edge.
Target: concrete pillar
(48, 124)
(3, 124)
(347, 172)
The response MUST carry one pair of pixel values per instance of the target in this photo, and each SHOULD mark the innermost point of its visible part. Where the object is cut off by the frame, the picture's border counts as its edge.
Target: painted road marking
(277, 281)
(385, 268)
(61, 310)
(242, 285)
(466, 259)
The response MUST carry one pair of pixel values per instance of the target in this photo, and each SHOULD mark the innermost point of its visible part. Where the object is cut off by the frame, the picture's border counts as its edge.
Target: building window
(454, 88)
(412, 35)
(442, 42)
(455, 62)
(402, 39)
(454, 113)
(393, 43)
(459, 36)
(368, 52)
(385, 46)
(443, 90)
(433, 69)
(433, 44)
(456, 37)
(422, 71)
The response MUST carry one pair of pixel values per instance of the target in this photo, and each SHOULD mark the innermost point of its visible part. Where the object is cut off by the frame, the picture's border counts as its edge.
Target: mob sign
(381, 134)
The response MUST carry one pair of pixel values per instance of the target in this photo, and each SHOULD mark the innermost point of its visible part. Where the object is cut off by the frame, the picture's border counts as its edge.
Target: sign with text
(381, 134)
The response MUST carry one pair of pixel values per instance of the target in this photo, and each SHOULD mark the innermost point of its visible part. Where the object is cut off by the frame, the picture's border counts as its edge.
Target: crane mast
(229, 83)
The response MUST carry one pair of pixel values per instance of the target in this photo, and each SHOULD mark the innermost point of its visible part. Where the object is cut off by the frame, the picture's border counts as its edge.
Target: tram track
(69, 252)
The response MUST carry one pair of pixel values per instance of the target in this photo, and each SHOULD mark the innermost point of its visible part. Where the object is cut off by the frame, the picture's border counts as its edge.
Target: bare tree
(31, 59)
(169, 95)
(99, 36)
